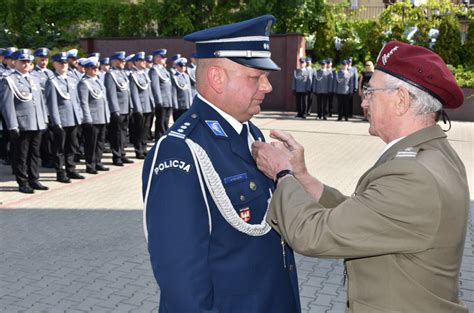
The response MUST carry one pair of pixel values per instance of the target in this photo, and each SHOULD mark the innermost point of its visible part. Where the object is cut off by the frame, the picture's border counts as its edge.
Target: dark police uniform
(66, 116)
(25, 115)
(343, 85)
(120, 105)
(209, 250)
(161, 87)
(301, 85)
(321, 85)
(96, 112)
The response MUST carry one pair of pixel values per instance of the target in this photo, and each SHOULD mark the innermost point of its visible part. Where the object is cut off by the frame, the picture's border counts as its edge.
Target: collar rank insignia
(245, 214)
(216, 128)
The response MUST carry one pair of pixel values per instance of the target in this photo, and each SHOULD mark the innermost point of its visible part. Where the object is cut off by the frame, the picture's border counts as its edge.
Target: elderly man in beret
(205, 200)
(402, 231)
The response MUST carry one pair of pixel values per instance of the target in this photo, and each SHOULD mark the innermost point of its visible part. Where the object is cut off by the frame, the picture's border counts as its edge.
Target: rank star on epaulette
(245, 214)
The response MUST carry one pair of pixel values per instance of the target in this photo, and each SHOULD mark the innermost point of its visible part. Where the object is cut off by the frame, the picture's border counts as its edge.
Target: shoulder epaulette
(185, 127)
(410, 152)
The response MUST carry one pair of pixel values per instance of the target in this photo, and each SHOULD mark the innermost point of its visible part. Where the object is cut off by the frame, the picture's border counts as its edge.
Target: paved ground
(80, 247)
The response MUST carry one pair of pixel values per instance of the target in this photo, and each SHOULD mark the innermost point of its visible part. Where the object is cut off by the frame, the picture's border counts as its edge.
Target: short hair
(422, 102)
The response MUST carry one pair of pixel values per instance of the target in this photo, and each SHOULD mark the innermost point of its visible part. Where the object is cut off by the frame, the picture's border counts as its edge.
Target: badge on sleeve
(216, 128)
(245, 214)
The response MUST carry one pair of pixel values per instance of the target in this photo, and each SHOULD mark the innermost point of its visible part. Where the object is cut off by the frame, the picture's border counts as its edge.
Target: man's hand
(290, 145)
(271, 158)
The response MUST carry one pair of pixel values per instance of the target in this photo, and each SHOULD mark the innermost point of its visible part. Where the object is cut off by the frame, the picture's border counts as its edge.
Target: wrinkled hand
(271, 158)
(292, 147)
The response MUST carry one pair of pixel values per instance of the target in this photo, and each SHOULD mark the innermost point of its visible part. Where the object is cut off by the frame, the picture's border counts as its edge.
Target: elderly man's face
(380, 106)
(246, 88)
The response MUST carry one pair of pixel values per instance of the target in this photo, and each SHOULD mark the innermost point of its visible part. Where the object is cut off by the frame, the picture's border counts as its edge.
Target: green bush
(464, 75)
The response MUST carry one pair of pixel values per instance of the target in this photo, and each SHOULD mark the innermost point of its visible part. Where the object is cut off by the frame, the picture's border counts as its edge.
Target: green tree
(468, 47)
(448, 44)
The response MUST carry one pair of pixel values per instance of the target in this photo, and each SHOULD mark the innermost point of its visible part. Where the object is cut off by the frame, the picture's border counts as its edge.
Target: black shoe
(75, 175)
(62, 178)
(91, 171)
(101, 168)
(140, 156)
(324, 118)
(26, 189)
(118, 163)
(126, 161)
(38, 186)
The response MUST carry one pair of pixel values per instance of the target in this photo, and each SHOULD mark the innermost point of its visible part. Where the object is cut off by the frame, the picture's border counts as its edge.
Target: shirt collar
(236, 125)
(391, 143)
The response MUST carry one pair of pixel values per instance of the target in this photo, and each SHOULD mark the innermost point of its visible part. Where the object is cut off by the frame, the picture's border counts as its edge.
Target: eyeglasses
(369, 91)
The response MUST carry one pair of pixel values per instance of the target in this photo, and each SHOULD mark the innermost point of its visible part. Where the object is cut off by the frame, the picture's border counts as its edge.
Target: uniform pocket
(358, 307)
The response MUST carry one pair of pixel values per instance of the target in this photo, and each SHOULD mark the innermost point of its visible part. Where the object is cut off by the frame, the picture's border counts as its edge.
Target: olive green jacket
(401, 233)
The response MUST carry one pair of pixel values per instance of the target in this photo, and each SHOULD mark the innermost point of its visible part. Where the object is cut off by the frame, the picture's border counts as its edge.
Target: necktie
(244, 134)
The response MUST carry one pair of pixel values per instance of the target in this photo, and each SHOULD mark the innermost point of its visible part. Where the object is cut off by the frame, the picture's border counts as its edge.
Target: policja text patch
(172, 164)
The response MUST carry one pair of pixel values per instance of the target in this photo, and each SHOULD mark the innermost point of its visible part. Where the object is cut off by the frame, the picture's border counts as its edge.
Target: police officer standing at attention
(402, 231)
(343, 85)
(162, 92)
(42, 73)
(104, 67)
(301, 84)
(120, 105)
(309, 92)
(354, 86)
(182, 94)
(9, 62)
(24, 111)
(321, 83)
(142, 105)
(66, 116)
(210, 249)
(191, 70)
(96, 112)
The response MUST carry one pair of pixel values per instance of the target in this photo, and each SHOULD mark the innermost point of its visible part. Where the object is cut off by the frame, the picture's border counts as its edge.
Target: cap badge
(266, 46)
(216, 128)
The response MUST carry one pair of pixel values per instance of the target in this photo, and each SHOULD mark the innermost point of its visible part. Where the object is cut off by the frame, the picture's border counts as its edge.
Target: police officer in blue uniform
(343, 86)
(210, 247)
(354, 86)
(104, 67)
(66, 115)
(72, 67)
(25, 114)
(96, 113)
(161, 88)
(301, 85)
(42, 73)
(182, 93)
(120, 105)
(309, 93)
(143, 105)
(191, 70)
(321, 85)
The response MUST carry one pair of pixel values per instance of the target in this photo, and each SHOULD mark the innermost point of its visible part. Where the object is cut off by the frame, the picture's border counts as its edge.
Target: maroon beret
(421, 68)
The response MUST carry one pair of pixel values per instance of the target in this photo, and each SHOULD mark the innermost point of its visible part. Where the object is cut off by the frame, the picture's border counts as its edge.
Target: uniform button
(253, 186)
(194, 115)
(180, 130)
(187, 123)
(242, 198)
(274, 222)
(184, 127)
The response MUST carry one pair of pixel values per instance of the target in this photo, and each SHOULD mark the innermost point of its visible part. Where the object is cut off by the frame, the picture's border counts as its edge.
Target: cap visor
(258, 63)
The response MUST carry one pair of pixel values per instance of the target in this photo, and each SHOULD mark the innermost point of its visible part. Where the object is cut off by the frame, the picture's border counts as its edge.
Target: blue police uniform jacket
(322, 81)
(42, 74)
(301, 80)
(182, 94)
(201, 262)
(161, 86)
(140, 90)
(22, 102)
(62, 100)
(118, 91)
(343, 84)
(93, 101)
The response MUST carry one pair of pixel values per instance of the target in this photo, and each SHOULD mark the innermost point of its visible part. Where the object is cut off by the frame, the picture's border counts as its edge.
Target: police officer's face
(42, 62)
(22, 66)
(120, 64)
(60, 67)
(380, 105)
(92, 71)
(140, 64)
(246, 88)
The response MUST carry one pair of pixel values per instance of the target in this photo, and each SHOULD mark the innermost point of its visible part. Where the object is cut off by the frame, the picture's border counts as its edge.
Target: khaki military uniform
(401, 233)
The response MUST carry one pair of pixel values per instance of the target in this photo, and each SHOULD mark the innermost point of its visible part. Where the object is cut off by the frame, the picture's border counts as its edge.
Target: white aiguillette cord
(216, 189)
